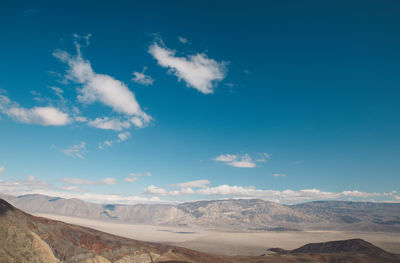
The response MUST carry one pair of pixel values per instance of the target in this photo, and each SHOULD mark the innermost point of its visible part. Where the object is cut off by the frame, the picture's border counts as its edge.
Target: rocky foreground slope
(250, 214)
(25, 238)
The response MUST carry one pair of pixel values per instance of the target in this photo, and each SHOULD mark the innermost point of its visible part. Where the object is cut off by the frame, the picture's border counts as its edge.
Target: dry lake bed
(230, 243)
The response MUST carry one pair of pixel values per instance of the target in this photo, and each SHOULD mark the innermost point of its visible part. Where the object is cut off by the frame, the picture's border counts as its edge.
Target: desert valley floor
(229, 242)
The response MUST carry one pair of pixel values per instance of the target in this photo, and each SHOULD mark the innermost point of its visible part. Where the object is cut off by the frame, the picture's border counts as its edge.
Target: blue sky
(171, 101)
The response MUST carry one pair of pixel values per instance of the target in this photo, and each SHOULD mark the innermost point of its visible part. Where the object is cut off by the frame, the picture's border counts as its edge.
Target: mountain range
(231, 214)
(26, 238)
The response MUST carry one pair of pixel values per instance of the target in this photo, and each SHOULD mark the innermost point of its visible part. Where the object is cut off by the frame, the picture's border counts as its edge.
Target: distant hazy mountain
(242, 214)
(29, 239)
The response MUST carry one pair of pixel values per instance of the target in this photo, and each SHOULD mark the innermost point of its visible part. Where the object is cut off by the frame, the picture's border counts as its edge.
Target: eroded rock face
(16, 245)
(43, 249)
(24, 238)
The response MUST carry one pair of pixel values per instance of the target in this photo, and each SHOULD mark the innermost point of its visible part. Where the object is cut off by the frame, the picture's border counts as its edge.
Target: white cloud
(73, 188)
(58, 92)
(186, 188)
(23, 186)
(193, 184)
(279, 175)
(105, 144)
(285, 196)
(244, 163)
(124, 136)
(79, 181)
(35, 186)
(107, 123)
(32, 185)
(2, 169)
(262, 157)
(106, 198)
(225, 158)
(142, 78)
(198, 71)
(154, 190)
(241, 161)
(183, 40)
(132, 178)
(100, 87)
(108, 180)
(80, 119)
(37, 96)
(77, 150)
(116, 124)
(138, 122)
(47, 116)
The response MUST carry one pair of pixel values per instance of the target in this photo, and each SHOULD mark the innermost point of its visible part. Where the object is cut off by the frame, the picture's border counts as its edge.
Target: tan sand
(230, 243)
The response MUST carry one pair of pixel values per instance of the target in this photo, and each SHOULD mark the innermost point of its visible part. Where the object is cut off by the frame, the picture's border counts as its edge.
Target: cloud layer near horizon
(196, 189)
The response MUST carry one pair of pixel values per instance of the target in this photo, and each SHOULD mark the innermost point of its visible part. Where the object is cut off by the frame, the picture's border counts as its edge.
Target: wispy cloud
(183, 40)
(101, 88)
(279, 175)
(108, 180)
(198, 71)
(142, 78)
(193, 184)
(2, 169)
(105, 144)
(79, 181)
(132, 178)
(107, 123)
(58, 92)
(77, 150)
(123, 136)
(241, 161)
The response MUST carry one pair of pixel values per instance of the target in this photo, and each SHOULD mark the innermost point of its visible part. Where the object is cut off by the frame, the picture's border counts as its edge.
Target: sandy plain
(229, 243)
